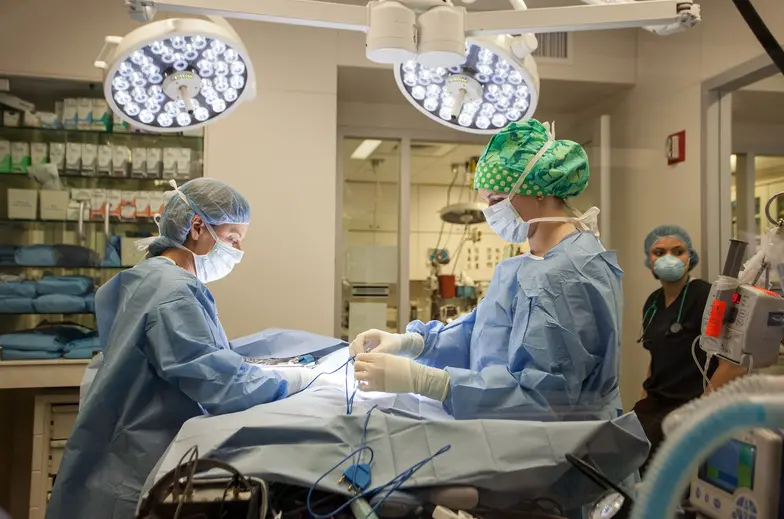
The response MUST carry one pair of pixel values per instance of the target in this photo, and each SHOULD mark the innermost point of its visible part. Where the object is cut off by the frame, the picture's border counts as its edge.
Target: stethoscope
(650, 313)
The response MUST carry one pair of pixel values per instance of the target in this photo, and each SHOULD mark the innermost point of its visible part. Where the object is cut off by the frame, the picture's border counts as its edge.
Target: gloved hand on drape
(393, 374)
(408, 345)
(299, 378)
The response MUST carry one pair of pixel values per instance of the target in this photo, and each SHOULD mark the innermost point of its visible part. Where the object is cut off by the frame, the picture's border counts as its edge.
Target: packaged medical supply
(89, 159)
(128, 205)
(39, 153)
(100, 114)
(5, 156)
(97, 203)
(170, 156)
(139, 161)
(104, 160)
(54, 204)
(143, 204)
(70, 113)
(73, 157)
(85, 114)
(32, 120)
(73, 210)
(20, 157)
(154, 162)
(11, 118)
(22, 204)
(57, 154)
(184, 163)
(156, 202)
(120, 159)
(114, 201)
(50, 120)
(119, 126)
(81, 194)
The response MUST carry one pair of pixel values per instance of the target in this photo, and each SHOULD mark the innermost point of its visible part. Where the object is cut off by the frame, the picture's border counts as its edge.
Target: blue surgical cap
(217, 203)
(670, 231)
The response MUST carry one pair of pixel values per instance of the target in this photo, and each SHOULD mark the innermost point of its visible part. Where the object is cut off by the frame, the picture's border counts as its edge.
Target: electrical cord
(705, 379)
(393, 484)
(349, 398)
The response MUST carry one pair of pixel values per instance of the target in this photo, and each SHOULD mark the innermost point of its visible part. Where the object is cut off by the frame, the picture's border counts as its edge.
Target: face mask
(669, 268)
(217, 263)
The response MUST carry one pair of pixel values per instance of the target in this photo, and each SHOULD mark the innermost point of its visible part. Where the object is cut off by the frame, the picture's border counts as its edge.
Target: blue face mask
(669, 268)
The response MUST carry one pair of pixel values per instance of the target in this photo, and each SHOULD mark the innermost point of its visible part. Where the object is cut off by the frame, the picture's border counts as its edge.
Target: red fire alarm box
(675, 148)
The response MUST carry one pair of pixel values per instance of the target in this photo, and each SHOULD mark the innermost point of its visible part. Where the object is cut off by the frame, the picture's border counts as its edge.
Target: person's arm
(725, 373)
(445, 344)
(188, 351)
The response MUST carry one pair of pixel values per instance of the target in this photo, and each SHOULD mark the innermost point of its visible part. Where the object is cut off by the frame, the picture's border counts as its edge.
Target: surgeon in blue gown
(166, 357)
(544, 343)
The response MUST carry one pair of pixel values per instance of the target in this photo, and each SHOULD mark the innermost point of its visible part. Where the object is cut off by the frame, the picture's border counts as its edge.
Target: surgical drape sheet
(297, 439)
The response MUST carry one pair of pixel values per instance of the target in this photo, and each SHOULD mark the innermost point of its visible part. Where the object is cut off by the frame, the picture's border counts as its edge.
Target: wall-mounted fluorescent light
(365, 149)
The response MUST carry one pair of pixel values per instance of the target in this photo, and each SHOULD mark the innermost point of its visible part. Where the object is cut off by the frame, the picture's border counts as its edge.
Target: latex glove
(393, 374)
(408, 345)
(299, 379)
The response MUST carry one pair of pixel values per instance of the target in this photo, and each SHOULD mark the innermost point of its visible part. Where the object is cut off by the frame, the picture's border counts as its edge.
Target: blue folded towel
(79, 353)
(60, 304)
(89, 301)
(16, 305)
(89, 342)
(18, 289)
(9, 354)
(66, 285)
(52, 338)
(56, 256)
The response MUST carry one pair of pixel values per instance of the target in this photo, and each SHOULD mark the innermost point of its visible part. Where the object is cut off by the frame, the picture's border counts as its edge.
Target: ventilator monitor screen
(730, 467)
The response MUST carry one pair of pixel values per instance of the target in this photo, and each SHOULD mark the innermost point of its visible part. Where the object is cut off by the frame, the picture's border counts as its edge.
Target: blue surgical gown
(166, 359)
(544, 343)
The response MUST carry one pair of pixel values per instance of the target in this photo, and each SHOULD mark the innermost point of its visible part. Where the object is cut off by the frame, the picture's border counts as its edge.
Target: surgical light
(434, 45)
(157, 76)
(490, 89)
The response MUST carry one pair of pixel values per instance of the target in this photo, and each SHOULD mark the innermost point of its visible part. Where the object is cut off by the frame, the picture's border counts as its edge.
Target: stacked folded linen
(82, 348)
(56, 256)
(50, 341)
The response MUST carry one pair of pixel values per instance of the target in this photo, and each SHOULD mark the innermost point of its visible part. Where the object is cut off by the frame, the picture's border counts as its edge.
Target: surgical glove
(299, 379)
(329, 380)
(408, 345)
(392, 374)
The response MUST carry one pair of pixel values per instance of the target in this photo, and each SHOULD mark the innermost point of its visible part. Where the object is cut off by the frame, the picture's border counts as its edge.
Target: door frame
(716, 150)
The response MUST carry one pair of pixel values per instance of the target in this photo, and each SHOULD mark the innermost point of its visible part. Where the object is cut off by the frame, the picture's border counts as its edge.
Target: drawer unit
(53, 421)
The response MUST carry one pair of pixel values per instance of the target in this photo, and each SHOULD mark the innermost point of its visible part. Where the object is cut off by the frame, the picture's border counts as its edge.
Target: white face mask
(217, 263)
(505, 221)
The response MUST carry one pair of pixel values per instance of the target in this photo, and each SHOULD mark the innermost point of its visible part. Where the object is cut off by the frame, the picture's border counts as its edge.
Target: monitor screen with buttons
(730, 467)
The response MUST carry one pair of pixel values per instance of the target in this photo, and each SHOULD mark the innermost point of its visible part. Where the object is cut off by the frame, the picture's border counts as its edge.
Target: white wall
(646, 192)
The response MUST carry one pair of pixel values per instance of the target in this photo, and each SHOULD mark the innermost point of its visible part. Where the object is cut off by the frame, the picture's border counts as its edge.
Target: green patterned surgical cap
(561, 171)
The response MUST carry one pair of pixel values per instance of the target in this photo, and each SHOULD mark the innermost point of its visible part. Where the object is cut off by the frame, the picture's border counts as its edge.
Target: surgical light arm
(662, 30)
(311, 13)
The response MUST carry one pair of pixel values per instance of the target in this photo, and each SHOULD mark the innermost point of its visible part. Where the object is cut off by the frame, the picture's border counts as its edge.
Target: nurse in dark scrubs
(671, 320)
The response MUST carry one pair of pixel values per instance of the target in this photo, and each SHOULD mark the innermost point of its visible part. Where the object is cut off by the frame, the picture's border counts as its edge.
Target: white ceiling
(758, 107)
(377, 85)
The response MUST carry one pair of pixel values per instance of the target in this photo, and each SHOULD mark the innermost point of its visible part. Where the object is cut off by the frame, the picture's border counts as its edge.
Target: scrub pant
(651, 411)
